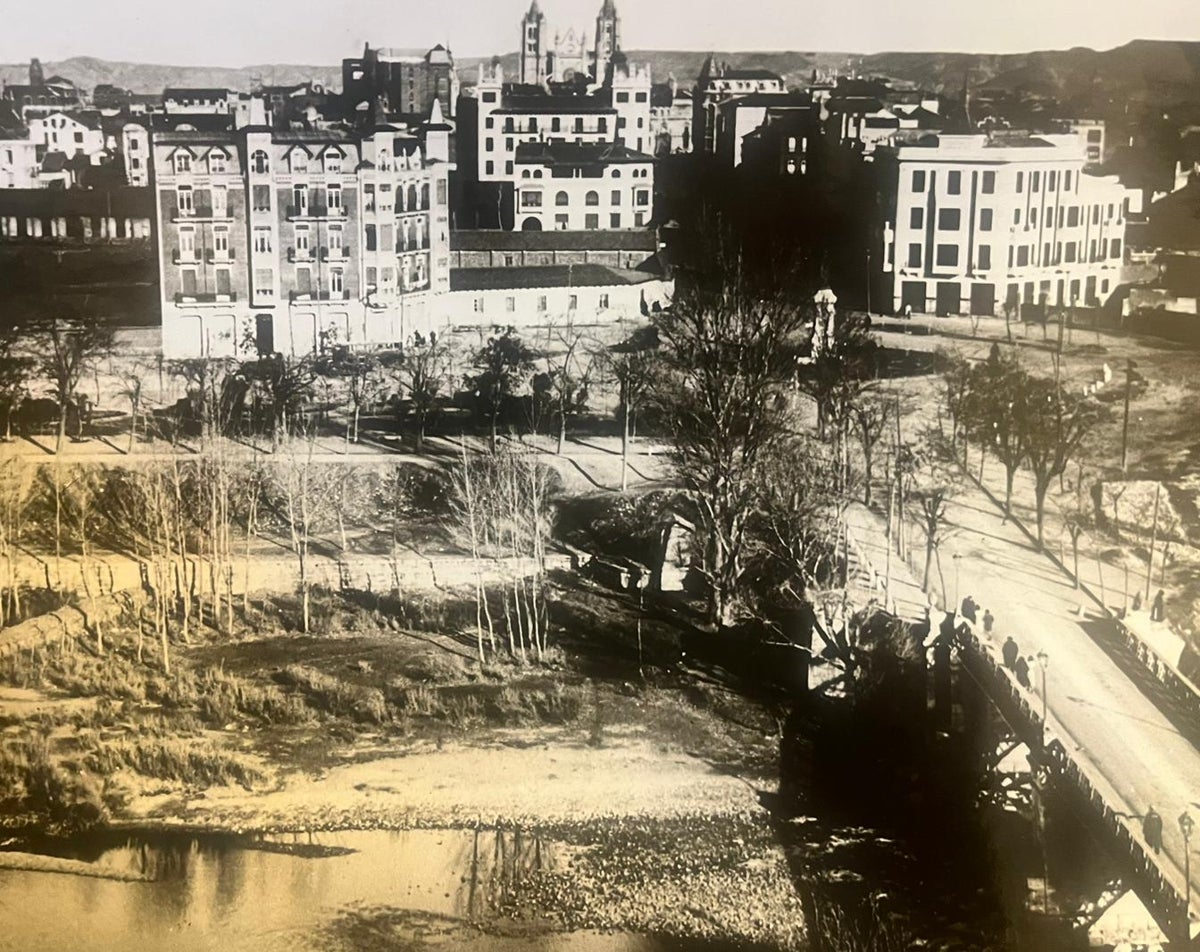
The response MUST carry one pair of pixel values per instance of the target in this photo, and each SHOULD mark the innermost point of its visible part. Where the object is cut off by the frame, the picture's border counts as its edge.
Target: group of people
(1016, 662)
(1156, 606)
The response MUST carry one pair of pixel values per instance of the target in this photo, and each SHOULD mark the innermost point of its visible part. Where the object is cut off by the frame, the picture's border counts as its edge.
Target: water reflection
(407, 889)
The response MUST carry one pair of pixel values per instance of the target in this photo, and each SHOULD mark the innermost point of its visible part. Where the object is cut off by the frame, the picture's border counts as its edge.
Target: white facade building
(135, 146)
(980, 223)
(18, 163)
(59, 132)
(583, 187)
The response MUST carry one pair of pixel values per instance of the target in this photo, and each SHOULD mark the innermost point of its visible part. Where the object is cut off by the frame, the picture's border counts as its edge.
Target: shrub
(337, 697)
(174, 759)
(34, 786)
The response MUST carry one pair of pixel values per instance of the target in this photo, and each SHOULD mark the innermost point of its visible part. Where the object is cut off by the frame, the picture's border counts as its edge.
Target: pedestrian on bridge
(989, 620)
(1021, 669)
(1010, 652)
(1156, 607)
(969, 608)
(1152, 829)
(1137, 602)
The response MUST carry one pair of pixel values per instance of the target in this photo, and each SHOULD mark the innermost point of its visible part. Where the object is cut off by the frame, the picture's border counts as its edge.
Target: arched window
(616, 173)
(592, 198)
(259, 162)
(525, 173)
(425, 197)
(298, 161)
(562, 198)
(412, 198)
(537, 173)
(531, 224)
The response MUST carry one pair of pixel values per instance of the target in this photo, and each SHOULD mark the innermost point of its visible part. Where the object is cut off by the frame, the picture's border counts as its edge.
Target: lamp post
(957, 600)
(1186, 825)
(1129, 365)
(1043, 660)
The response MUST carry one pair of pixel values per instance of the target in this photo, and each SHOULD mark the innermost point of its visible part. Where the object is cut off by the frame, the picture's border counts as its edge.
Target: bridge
(1103, 742)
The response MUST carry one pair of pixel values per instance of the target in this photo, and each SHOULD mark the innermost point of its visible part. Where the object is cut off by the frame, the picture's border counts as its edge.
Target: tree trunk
(1009, 475)
(1039, 491)
(562, 432)
(624, 446)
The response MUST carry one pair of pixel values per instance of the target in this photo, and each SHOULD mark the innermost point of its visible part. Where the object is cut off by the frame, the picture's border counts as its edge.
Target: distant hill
(1088, 82)
(87, 73)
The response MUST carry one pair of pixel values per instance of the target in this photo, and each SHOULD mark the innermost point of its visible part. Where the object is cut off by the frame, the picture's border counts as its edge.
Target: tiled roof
(199, 92)
(544, 276)
(571, 153)
(523, 105)
(642, 240)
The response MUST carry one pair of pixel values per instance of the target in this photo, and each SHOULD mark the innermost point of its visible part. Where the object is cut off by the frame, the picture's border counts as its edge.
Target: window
(603, 302)
(489, 97)
(914, 255)
(489, 167)
(335, 242)
(477, 304)
(614, 220)
(989, 183)
(302, 245)
(1035, 181)
(510, 304)
(441, 189)
(298, 161)
(556, 124)
(336, 281)
(220, 201)
(642, 197)
(1017, 216)
(221, 242)
(300, 199)
(333, 194)
(918, 181)
(260, 198)
(531, 199)
(541, 302)
(1020, 182)
(591, 222)
(1115, 248)
(184, 197)
(183, 162)
(1033, 218)
(985, 257)
(187, 278)
(216, 163)
(916, 218)
(259, 163)
(1023, 256)
(949, 219)
(1073, 216)
(1060, 216)
(616, 197)
(639, 218)
(1051, 181)
(947, 256)
(1067, 181)
(592, 198)
(954, 183)
(985, 219)
(1070, 252)
(333, 162)
(489, 145)
(640, 97)
(1046, 259)
(187, 244)
(262, 240)
(573, 302)
(562, 199)
(622, 97)
(264, 282)
(560, 223)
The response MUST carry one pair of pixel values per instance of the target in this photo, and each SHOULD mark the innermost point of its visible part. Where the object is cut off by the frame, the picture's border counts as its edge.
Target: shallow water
(395, 890)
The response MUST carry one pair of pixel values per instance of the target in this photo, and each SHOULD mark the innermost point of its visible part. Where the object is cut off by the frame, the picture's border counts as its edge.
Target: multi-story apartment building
(198, 101)
(287, 242)
(135, 147)
(18, 160)
(977, 223)
(716, 83)
(568, 187)
(670, 118)
(70, 134)
(407, 84)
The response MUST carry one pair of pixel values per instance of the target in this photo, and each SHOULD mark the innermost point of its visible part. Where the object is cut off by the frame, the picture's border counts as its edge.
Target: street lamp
(1186, 825)
(957, 593)
(1043, 660)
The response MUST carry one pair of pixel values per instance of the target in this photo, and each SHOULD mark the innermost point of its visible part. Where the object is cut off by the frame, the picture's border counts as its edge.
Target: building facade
(975, 224)
(716, 83)
(289, 242)
(568, 58)
(565, 187)
(18, 161)
(407, 84)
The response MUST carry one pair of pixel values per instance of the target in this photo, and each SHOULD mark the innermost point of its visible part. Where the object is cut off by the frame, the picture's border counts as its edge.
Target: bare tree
(568, 374)
(421, 376)
(68, 351)
(362, 376)
(871, 414)
(503, 365)
(16, 369)
(631, 363)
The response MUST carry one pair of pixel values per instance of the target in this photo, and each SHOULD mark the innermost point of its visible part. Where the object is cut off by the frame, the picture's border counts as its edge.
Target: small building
(564, 187)
(179, 100)
(716, 83)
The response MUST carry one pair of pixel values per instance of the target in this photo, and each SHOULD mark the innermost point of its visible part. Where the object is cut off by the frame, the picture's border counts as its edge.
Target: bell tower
(608, 39)
(533, 46)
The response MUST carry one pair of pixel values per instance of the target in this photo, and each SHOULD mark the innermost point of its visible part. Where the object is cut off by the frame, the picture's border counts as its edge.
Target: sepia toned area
(598, 498)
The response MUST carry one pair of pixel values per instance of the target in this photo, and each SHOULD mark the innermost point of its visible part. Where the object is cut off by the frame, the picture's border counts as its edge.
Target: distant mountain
(1088, 82)
(87, 72)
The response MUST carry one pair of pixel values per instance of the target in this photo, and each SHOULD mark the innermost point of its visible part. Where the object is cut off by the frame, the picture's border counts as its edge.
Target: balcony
(315, 211)
(201, 213)
(212, 255)
(299, 254)
(223, 297)
(184, 257)
(299, 297)
(335, 254)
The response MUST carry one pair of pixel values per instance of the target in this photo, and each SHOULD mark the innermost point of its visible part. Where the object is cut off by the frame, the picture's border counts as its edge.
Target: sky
(319, 32)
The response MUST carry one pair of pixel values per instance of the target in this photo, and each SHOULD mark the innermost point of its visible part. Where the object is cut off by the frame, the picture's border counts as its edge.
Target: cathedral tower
(533, 46)
(608, 39)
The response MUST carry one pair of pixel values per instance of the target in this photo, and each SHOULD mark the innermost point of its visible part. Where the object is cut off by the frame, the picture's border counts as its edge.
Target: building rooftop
(570, 153)
(776, 100)
(554, 241)
(198, 92)
(757, 74)
(525, 104)
(544, 276)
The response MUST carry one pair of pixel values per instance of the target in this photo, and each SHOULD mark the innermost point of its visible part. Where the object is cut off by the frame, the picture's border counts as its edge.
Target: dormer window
(259, 163)
(183, 162)
(298, 161)
(333, 163)
(216, 163)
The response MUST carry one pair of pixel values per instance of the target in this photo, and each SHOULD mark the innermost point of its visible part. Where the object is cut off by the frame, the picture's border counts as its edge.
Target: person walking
(989, 621)
(1010, 652)
(1152, 829)
(969, 608)
(1156, 607)
(1021, 668)
(1137, 603)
